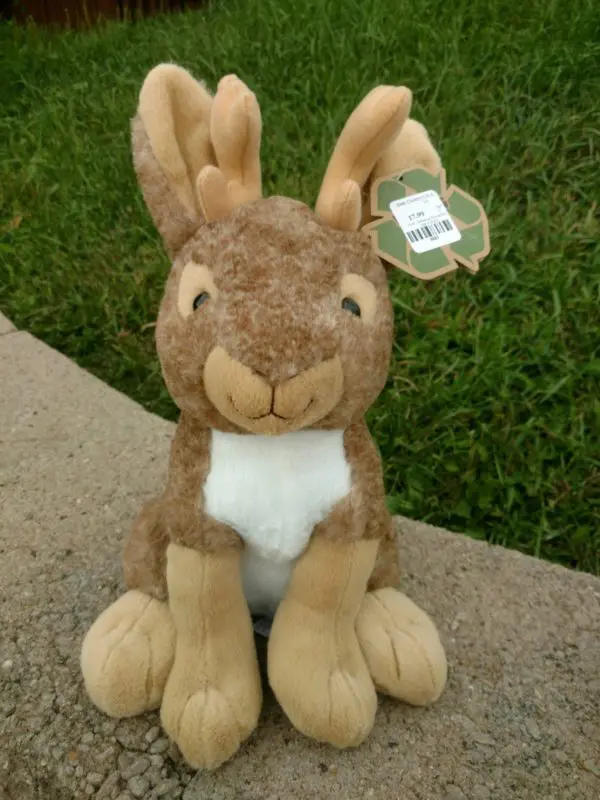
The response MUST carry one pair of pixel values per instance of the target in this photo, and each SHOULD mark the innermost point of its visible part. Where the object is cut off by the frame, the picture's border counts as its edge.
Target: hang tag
(426, 228)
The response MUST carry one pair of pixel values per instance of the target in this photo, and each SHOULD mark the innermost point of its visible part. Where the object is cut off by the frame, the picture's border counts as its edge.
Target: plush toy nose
(248, 399)
(229, 382)
(294, 396)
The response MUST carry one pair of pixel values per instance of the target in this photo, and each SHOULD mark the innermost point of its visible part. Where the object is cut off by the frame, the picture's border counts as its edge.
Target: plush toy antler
(196, 157)
(378, 139)
(370, 129)
(235, 129)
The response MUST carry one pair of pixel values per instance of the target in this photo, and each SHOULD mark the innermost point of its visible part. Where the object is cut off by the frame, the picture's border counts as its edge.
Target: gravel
(135, 765)
(454, 793)
(138, 785)
(110, 787)
(166, 788)
(152, 734)
(159, 746)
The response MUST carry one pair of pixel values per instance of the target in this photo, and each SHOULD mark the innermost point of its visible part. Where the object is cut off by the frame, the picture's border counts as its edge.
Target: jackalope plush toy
(274, 336)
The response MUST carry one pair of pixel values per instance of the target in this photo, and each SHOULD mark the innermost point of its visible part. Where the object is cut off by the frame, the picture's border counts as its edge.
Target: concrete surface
(6, 325)
(519, 719)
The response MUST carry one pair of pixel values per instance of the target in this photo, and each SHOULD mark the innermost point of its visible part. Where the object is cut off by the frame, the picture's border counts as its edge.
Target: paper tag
(425, 221)
(425, 227)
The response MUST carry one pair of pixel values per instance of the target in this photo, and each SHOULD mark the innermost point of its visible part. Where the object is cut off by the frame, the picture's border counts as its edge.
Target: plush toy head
(275, 317)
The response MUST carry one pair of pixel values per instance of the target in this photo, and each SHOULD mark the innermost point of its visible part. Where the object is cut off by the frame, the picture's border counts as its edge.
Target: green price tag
(426, 228)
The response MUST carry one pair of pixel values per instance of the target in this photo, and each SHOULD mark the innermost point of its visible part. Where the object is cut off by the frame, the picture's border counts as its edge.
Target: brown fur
(279, 270)
(270, 349)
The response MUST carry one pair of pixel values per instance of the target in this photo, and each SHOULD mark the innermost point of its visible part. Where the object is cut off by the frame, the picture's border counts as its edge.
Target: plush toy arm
(368, 474)
(213, 696)
(315, 664)
(183, 519)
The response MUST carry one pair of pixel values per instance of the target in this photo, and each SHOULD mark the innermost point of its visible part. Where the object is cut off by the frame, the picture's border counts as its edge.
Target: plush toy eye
(348, 304)
(200, 299)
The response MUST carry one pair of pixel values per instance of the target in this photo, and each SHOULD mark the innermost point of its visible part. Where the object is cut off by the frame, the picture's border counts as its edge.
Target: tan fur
(371, 128)
(175, 111)
(411, 148)
(402, 647)
(315, 665)
(187, 176)
(127, 654)
(272, 337)
(245, 398)
(213, 696)
(235, 132)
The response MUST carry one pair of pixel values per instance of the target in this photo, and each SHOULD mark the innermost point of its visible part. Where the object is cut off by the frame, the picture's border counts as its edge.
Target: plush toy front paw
(209, 718)
(402, 647)
(207, 725)
(320, 678)
(127, 654)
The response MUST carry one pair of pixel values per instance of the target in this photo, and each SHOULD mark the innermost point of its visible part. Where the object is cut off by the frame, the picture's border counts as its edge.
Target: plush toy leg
(127, 654)
(402, 647)
(213, 696)
(315, 665)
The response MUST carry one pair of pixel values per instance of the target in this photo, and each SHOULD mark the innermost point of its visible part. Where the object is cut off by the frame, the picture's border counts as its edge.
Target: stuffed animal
(274, 337)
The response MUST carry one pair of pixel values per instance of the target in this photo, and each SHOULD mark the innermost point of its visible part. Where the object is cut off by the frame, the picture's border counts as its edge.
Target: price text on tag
(425, 221)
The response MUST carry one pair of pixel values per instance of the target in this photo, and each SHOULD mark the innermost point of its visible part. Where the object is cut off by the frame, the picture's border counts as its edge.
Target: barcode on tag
(432, 231)
(425, 221)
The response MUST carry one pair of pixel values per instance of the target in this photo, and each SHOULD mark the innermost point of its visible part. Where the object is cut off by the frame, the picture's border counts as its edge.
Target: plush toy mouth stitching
(271, 412)
(288, 419)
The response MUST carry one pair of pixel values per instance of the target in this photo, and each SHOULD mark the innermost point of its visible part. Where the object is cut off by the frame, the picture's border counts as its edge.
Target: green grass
(490, 421)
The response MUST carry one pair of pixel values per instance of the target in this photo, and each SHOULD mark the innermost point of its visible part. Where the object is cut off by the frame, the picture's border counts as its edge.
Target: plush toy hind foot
(401, 647)
(127, 655)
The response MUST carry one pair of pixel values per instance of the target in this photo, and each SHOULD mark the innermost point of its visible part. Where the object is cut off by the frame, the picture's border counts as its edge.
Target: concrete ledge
(519, 719)
(6, 325)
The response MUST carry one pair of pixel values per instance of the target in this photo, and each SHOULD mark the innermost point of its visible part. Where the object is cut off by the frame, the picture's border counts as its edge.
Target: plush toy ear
(369, 132)
(196, 157)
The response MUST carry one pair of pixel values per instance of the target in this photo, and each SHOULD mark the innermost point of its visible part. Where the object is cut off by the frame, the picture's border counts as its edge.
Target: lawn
(490, 420)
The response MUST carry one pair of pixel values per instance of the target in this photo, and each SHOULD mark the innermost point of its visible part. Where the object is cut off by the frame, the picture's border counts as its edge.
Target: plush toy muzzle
(251, 401)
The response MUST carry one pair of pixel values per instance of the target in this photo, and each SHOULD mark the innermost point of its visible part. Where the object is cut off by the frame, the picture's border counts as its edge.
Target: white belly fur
(273, 490)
